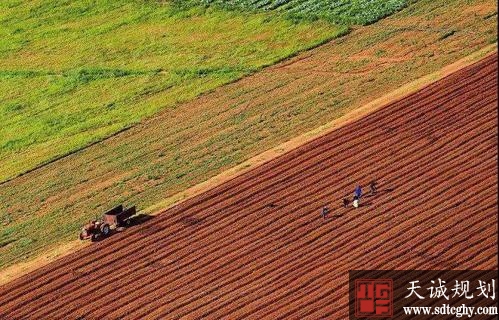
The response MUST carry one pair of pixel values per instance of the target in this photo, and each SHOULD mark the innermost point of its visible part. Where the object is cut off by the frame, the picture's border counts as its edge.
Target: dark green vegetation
(337, 11)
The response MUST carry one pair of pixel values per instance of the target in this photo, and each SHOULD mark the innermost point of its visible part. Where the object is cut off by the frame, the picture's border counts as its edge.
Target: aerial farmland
(207, 153)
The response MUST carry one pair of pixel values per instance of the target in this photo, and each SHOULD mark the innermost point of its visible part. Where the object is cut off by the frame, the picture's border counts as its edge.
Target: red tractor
(114, 219)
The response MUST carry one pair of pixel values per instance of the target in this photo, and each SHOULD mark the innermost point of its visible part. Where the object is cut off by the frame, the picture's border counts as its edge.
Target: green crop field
(94, 68)
(75, 72)
(336, 11)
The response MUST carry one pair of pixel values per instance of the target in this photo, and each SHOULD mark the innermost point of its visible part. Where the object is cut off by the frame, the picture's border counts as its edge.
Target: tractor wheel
(94, 237)
(105, 229)
(128, 222)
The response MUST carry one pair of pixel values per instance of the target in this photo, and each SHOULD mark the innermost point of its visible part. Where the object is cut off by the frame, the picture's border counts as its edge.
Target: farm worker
(324, 212)
(355, 201)
(346, 202)
(358, 192)
(372, 186)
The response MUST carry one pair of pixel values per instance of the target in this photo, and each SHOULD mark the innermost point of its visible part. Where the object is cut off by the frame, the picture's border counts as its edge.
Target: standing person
(325, 211)
(372, 187)
(358, 192)
(346, 202)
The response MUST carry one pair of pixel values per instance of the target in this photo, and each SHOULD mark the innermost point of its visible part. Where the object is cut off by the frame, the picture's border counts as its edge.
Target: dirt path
(256, 247)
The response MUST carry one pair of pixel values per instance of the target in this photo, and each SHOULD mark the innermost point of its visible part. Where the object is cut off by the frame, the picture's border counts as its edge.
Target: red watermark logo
(373, 298)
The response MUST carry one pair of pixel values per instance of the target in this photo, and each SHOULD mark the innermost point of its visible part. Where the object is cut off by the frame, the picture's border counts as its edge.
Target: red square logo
(373, 298)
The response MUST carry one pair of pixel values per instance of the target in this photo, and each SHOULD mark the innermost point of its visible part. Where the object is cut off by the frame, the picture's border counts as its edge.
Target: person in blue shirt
(356, 196)
(358, 192)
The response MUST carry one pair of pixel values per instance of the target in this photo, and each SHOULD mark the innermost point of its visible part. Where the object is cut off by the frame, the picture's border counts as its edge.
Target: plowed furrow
(434, 155)
(92, 289)
(132, 290)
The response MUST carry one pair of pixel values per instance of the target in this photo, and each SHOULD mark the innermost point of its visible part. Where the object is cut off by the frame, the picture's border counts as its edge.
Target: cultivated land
(74, 72)
(186, 145)
(337, 11)
(257, 247)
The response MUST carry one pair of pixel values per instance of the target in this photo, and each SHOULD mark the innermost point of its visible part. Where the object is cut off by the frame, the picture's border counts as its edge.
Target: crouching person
(356, 201)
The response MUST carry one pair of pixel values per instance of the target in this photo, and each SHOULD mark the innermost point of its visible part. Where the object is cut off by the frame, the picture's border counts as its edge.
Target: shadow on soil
(190, 221)
(379, 192)
(139, 219)
(133, 221)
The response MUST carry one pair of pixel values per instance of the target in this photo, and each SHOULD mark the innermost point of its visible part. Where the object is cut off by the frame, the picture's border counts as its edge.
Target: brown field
(257, 248)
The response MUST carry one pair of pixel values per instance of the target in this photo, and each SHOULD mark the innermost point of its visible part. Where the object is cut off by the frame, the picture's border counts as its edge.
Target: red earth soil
(257, 247)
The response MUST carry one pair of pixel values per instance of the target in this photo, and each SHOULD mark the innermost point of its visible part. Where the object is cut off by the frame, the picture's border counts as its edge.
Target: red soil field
(257, 247)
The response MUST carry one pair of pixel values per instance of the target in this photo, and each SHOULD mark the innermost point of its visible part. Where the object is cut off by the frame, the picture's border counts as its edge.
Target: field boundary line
(22, 268)
(320, 131)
